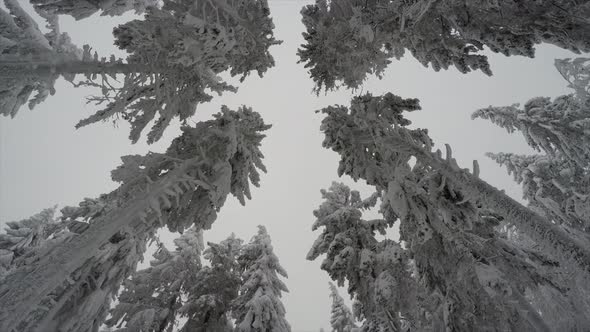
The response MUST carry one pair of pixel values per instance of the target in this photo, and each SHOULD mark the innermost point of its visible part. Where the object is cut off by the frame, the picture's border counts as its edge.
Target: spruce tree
(258, 307)
(81, 9)
(555, 182)
(175, 56)
(210, 297)
(347, 39)
(341, 317)
(385, 294)
(151, 298)
(183, 187)
(23, 44)
(445, 221)
(372, 130)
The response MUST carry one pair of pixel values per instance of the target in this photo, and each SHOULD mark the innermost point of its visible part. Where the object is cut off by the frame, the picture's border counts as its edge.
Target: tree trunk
(22, 291)
(44, 68)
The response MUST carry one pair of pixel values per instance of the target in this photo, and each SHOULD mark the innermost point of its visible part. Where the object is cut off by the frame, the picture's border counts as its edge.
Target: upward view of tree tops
(469, 258)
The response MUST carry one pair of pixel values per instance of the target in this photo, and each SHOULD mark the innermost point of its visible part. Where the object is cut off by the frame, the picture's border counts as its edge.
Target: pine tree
(80, 9)
(341, 318)
(208, 307)
(175, 55)
(151, 299)
(444, 219)
(258, 307)
(347, 39)
(185, 186)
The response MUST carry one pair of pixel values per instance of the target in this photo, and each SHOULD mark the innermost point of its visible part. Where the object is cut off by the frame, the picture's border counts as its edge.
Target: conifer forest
(294, 165)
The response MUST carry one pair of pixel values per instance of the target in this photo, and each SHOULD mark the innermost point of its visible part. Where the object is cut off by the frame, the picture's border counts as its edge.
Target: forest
(403, 235)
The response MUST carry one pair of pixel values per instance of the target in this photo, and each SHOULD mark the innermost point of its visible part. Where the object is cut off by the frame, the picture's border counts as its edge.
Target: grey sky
(44, 161)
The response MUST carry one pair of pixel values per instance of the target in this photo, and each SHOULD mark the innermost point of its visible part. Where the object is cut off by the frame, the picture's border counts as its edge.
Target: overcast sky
(44, 161)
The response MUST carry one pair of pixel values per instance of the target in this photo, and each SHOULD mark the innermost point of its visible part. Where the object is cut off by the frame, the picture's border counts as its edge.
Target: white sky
(44, 161)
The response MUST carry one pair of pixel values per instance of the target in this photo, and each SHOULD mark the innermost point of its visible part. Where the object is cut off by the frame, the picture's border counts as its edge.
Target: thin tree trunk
(45, 68)
(22, 291)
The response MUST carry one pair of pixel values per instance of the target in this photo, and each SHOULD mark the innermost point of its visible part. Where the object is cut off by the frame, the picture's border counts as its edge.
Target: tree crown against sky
(81, 302)
(432, 202)
(402, 319)
(20, 36)
(183, 187)
(210, 297)
(81, 9)
(152, 298)
(176, 54)
(341, 317)
(258, 308)
(346, 40)
(554, 182)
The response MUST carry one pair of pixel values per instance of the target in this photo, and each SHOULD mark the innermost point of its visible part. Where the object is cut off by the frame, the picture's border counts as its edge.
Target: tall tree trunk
(45, 68)
(21, 292)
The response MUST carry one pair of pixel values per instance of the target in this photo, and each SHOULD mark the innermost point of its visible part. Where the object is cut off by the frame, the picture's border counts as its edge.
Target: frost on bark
(21, 41)
(208, 307)
(185, 186)
(341, 318)
(347, 39)
(80, 9)
(176, 54)
(258, 307)
(445, 220)
(151, 298)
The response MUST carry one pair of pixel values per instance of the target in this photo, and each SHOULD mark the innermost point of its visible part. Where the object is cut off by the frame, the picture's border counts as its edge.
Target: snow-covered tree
(552, 186)
(208, 307)
(341, 317)
(347, 39)
(258, 307)
(376, 271)
(444, 219)
(81, 302)
(561, 126)
(23, 236)
(577, 73)
(80, 9)
(175, 55)
(555, 183)
(21, 40)
(185, 186)
(374, 123)
(151, 298)
(339, 47)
